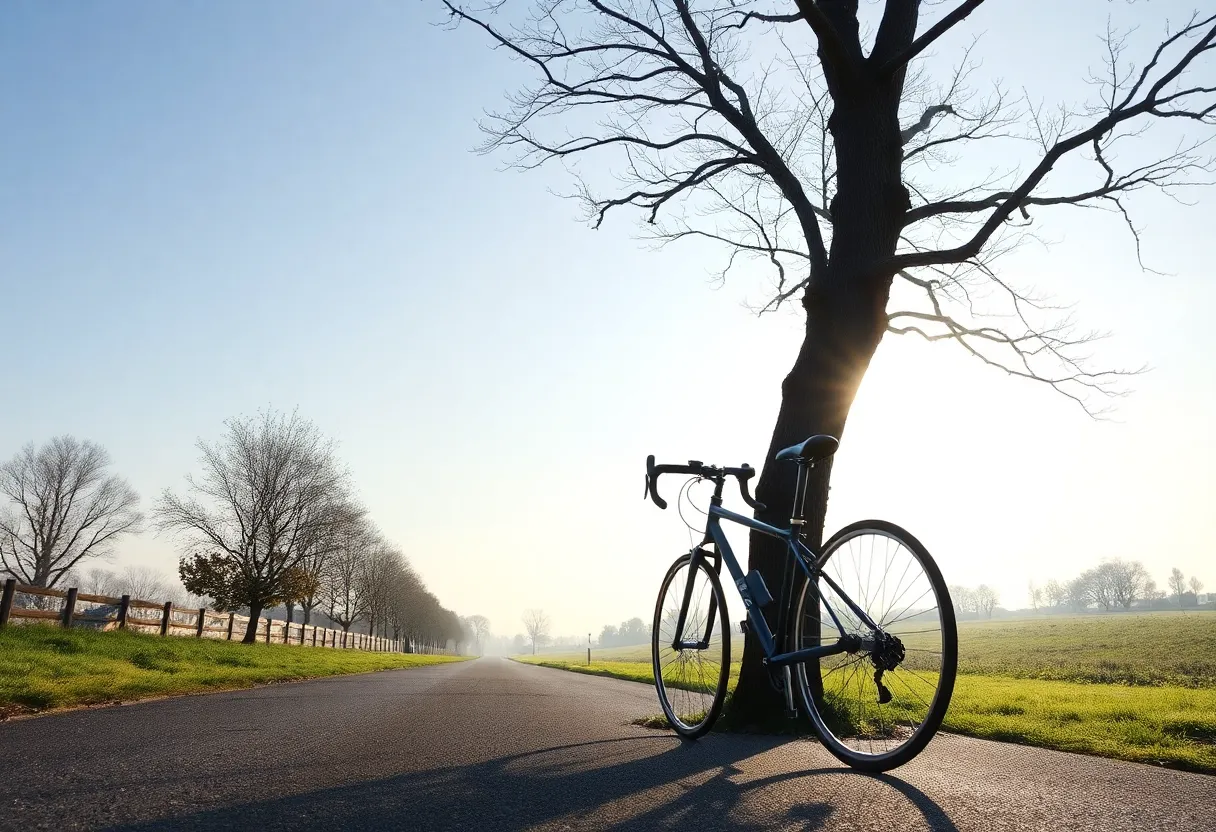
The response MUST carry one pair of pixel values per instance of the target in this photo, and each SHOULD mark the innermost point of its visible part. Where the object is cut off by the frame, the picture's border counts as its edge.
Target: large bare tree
(810, 136)
(267, 491)
(63, 509)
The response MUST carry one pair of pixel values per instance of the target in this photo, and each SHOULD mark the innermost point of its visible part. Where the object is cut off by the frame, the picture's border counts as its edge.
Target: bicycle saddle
(819, 446)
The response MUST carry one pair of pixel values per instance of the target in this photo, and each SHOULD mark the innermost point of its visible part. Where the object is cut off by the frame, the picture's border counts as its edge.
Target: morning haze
(354, 348)
(218, 208)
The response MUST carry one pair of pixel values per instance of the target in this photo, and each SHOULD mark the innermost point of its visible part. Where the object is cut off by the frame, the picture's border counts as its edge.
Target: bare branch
(926, 119)
(767, 18)
(1160, 174)
(1030, 353)
(933, 33)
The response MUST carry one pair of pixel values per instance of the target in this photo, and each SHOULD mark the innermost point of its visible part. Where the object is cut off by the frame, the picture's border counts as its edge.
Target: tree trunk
(307, 610)
(816, 397)
(291, 611)
(251, 629)
(845, 320)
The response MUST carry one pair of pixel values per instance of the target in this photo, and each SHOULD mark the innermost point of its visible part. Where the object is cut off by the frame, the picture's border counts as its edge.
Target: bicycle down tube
(755, 616)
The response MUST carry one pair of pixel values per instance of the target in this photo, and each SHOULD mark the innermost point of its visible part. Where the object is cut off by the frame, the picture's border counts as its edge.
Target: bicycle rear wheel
(883, 702)
(691, 675)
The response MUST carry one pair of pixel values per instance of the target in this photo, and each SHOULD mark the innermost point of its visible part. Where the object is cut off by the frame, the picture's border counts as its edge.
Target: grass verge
(1164, 725)
(45, 668)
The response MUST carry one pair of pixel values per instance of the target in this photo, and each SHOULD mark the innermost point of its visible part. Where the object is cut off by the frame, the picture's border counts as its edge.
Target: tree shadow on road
(638, 783)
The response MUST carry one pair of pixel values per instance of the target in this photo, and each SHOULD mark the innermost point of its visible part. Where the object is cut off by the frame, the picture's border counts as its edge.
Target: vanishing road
(495, 745)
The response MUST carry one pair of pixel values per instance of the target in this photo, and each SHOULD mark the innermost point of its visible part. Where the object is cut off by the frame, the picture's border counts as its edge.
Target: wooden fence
(76, 609)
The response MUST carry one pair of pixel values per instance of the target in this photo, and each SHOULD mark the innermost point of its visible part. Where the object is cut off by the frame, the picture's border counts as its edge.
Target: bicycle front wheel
(691, 673)
(884, 701)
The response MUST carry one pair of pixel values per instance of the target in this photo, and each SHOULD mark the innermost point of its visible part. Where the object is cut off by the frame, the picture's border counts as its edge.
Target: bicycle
(851, 652)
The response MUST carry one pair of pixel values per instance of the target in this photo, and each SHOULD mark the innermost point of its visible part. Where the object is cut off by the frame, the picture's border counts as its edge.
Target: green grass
(1154, 648)
(1138, 686)
(43, 668)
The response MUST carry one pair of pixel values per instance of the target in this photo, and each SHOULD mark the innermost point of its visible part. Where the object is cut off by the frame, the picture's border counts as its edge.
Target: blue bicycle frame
(808, 561)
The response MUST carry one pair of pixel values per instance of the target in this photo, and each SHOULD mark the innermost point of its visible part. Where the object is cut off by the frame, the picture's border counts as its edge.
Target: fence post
(231, 621)
(69, 607)
(6, 600)
(202, 620)
(124, 608)
(268, 629)
(164, 618)
(314, 635)
(286, 631)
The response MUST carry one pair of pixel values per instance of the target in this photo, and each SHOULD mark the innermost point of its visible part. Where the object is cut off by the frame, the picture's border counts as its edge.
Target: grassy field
(43, 668)
(1138, 687)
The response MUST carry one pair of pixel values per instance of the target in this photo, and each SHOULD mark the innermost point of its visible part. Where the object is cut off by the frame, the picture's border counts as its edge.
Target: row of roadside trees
(270, 519)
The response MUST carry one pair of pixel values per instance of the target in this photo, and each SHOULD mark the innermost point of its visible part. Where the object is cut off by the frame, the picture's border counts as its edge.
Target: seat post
(798, 510)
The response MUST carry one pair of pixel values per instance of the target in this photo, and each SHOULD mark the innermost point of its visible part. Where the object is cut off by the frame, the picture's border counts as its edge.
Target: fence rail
(106, 613)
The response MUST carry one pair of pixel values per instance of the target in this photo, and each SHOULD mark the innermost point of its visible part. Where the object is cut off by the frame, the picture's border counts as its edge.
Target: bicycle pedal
(743, 626)
(791, 713)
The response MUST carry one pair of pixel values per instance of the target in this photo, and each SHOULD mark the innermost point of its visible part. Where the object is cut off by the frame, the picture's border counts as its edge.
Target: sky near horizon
(211, 208)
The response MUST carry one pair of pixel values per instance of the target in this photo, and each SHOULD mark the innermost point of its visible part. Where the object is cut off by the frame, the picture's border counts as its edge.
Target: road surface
(496, 745)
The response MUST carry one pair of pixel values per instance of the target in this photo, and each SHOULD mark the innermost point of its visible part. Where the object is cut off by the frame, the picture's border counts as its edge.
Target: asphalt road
(495, 745)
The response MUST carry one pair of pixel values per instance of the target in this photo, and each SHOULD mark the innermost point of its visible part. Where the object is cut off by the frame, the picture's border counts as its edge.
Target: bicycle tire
(922, 733)
(666, 683)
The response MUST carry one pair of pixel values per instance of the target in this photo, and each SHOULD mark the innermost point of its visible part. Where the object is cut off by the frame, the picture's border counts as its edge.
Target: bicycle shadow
(638, 783)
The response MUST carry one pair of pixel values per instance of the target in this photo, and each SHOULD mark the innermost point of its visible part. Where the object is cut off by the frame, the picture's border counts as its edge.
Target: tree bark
(251, 629)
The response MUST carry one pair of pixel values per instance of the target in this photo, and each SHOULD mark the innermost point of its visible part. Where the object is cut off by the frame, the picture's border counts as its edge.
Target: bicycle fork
(678, 642)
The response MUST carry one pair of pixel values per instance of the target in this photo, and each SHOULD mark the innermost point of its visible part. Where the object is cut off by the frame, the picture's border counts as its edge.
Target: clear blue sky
(211, 207)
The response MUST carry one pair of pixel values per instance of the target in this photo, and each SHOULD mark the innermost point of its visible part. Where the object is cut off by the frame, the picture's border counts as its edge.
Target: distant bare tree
(147, 584)
(986, 599)
(1036, 596)
(1081, 591)
(380, 571)
(267, 491)
(317, 552)
(63, 509)
(1122, 582)
(98, 581)
(1195, 584)
(964, 599)
(343, 585)
(536, 624)
(1100, 587)
(479, 627)
(1177, 584)
(1056, 593)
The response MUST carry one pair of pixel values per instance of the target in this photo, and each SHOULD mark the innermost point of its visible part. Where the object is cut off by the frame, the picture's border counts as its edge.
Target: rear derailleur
(888, 652)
